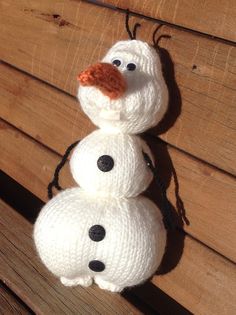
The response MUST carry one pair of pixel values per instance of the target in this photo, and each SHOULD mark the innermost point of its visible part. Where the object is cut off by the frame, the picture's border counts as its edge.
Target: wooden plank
(10, 304)
(203, 281)
(41, 111)
(21, 269)
(54, 40)
(57, 123)
(208, 197)
(197, 262)
(45, 113)
(215, 18)
(29, 163)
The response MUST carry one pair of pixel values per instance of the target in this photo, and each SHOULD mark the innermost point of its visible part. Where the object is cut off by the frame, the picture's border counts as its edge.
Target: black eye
(116, 62)
(131, 66)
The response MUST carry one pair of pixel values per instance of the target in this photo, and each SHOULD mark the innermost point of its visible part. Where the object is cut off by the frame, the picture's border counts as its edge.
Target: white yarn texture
(130, 175)
(145, 101)
(134, 242)
(131, 250)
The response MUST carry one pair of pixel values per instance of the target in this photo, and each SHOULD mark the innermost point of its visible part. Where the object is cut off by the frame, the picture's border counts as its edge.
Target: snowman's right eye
(116, 62)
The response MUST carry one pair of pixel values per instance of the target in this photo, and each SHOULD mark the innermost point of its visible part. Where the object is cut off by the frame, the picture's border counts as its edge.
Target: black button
(105, 163)
(97, 233)
(96, 265)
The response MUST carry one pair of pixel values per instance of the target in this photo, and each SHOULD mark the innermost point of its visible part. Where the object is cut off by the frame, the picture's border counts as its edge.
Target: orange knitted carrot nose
(106, 77)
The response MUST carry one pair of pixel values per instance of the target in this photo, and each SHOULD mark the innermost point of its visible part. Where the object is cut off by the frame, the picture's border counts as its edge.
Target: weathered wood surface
(209, 195)
(22, 271)
(54, 40)
(203, 281)
(29, 163)
(40, 110)
(212, 17)
(9, 304)
(44, 294)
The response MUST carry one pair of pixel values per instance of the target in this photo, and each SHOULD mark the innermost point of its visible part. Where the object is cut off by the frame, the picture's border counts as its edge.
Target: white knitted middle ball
(111, 165)
(118, 242)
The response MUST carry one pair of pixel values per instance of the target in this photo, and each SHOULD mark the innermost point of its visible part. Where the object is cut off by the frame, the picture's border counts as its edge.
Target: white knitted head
(145, 101)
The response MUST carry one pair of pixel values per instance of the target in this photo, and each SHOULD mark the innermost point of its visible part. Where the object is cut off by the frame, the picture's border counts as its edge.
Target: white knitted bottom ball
(116, 242)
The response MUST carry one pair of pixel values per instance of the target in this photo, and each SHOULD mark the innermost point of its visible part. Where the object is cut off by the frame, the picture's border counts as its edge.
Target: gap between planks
(10, 303)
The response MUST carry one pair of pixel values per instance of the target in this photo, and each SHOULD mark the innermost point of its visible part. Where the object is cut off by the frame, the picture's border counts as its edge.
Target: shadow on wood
(175, 101)
(165, 167)
(160, 302)
(19, 198)
(175, 238)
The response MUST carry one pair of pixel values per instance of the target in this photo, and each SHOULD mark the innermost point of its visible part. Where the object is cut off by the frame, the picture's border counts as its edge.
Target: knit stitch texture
(131, 249)
(106, 78)
(145, 100)
(129, 177)
(105, 231)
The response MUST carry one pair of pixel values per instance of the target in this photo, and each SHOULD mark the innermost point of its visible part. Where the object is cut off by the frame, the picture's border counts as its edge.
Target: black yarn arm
(167, 213)
(55, 181)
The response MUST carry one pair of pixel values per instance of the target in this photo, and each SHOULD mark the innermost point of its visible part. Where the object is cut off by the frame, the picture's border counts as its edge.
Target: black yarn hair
(55, 180)
(132, 34)
(168, 218)
(157, 40)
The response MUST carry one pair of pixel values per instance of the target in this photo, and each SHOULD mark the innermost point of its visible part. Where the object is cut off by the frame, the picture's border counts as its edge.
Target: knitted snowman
(105, 231)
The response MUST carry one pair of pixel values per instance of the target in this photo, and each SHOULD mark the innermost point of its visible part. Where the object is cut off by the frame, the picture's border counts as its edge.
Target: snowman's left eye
(131, 66)
(116, 62)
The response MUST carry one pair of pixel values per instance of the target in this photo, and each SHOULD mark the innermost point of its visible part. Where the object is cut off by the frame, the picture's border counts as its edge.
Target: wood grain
(203, 282)
(30, 164)
(209, 195)
(21, 269)
(9, 304)
(215, 18)
(44, 294)
(54, 40)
